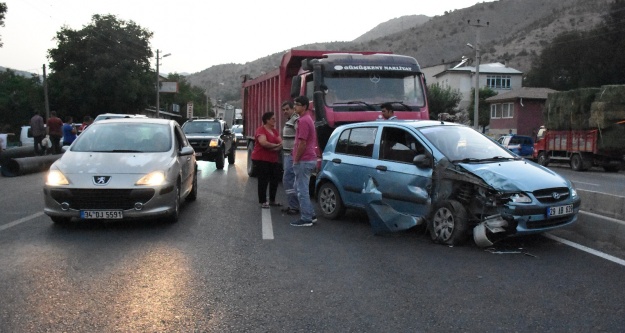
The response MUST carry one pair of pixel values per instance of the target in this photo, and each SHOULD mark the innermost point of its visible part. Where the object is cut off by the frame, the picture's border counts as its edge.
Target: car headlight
(214, 143)
(55, 178)
(520, 198)
(573, 192)
(152, 179)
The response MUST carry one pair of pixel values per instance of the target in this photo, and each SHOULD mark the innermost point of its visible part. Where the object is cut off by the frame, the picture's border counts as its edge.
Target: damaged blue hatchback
(447, 176)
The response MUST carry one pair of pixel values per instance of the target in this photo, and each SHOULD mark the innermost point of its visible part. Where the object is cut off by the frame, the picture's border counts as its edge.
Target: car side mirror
(422, 161)
(187, 150)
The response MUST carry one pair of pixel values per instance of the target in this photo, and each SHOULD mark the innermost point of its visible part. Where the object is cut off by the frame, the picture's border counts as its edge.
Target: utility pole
(158, 83)
(476, 105)
(45, 92)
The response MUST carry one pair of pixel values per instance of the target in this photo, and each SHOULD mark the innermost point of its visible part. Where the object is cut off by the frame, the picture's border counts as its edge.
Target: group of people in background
(55, 130)
(299, 158)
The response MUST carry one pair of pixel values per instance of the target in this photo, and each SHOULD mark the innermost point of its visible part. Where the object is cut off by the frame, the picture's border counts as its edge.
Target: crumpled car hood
(112, 163)
(515, 175)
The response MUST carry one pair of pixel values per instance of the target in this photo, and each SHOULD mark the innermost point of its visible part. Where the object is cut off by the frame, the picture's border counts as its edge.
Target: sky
(199, 34)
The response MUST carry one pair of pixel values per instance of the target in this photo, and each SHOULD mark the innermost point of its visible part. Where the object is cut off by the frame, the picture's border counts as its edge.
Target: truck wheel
(543, 159)
(251, 171)
(449, 223)
(220, 160)
(330, 202)
(577, 163)
(231, 156)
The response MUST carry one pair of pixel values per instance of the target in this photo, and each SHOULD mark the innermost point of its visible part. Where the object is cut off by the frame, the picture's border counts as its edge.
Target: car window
(124, 137)
(202, 127)
(357, 141)
(399, 145)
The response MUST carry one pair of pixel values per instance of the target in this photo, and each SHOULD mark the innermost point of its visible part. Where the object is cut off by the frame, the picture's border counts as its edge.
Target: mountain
(517, 31)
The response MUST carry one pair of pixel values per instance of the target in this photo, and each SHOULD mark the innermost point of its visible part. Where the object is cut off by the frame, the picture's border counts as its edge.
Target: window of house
(498, 81)
(502, 110)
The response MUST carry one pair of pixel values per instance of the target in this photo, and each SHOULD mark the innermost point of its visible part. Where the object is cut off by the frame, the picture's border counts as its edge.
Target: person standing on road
(265, 158)
(387, 111)
(69, 131)
(39, 132)
(304, 161)
(55, 131)
(288, 141)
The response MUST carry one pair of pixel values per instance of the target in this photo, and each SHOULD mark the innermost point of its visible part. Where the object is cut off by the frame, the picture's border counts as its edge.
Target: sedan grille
(102, 199)
(552, 195)
(549, 223)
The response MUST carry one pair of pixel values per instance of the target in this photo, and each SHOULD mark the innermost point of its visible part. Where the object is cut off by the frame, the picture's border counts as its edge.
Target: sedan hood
(191, 136)
(112, 163)
(516, 175)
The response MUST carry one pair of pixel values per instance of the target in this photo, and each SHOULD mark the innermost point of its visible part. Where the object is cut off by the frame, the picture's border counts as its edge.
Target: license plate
(101, 214)
(560, 210)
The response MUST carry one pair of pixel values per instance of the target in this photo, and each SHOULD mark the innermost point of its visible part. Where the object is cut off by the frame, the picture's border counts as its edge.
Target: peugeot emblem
(101, 180)
(555, 195)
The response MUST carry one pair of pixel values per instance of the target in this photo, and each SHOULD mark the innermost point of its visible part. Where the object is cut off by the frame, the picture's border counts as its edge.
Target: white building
(496, 76)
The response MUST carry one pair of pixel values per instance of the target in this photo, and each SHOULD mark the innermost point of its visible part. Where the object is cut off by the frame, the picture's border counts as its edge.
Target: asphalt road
(217, 270)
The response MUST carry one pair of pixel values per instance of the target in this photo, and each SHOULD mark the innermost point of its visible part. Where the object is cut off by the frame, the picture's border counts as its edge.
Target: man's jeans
(303, 170)
(288, 181)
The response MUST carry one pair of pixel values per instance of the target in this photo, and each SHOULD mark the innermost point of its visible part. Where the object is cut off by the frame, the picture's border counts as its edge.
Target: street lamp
(158, 84)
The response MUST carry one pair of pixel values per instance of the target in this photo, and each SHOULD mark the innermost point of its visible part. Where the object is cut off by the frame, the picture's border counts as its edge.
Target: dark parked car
(212, 140)
(446, 176)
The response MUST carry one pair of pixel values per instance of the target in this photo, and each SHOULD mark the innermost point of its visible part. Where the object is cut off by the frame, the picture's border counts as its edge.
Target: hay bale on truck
(585, 127)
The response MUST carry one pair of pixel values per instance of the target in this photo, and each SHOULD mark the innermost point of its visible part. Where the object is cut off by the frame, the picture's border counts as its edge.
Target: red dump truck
(582, 149)
(343, 87)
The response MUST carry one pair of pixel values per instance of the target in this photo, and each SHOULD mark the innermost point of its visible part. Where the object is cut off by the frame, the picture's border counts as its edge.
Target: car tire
(543, 159)
(232, 155)
(251, 170)
(448, 224)
(60, 220)
(175, 214)
(330, 202)
(192, 196)
(219, 160)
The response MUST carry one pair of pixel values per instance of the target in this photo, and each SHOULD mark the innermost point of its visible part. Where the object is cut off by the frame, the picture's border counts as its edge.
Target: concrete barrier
(603, 204)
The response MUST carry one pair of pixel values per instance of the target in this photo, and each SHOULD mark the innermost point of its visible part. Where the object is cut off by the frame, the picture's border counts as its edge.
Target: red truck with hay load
(343, 87)
(584, 128)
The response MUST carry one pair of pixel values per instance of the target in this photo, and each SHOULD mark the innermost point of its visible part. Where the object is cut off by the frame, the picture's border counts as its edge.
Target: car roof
(409, 123)
(137, 120)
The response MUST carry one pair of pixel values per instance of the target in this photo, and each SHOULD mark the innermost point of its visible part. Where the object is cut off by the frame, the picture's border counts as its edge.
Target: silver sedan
(122, 169)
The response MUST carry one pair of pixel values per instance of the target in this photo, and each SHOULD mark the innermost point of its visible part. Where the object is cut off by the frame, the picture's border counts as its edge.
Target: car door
(351, 162)
(186, 162)
(403, 186)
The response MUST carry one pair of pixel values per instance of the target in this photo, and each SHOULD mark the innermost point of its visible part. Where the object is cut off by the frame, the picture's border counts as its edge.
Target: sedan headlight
(214, 143)
(520, 198)
(573, 192)
(55, 178)
(152, 179)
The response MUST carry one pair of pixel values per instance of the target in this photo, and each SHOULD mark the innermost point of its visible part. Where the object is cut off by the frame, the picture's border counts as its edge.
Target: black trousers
(268, 173)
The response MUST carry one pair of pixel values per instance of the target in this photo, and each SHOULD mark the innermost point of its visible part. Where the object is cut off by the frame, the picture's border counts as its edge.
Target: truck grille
(102, 199)
(547, 195)
(200, 145)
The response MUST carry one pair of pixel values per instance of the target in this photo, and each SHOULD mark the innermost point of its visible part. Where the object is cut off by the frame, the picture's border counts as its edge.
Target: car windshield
(202, 127)
(464, 144)
(374, 89)
(238, 130)
(124, 137)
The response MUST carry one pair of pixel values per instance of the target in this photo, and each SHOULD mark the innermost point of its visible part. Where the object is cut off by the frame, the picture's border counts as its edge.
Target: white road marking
(267, 224)
(586, 249)
(591, 184)
(22, 220)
